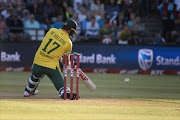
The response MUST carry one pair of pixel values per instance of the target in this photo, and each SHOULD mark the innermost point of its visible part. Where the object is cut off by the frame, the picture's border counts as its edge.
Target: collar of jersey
(63, 32)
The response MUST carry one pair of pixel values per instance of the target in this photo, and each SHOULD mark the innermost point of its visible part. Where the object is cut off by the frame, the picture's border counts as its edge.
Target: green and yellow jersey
(55, 44)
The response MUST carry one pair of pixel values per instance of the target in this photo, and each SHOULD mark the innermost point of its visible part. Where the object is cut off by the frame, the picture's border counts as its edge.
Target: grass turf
(145, 97)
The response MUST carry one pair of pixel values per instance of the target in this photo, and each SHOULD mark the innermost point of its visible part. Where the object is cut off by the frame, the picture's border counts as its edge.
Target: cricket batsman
(46, 61)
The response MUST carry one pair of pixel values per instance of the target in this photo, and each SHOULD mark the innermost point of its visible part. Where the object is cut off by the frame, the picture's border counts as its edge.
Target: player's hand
(68, 59)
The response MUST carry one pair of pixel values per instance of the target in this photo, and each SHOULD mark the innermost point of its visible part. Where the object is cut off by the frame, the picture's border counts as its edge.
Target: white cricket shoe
(28, 94)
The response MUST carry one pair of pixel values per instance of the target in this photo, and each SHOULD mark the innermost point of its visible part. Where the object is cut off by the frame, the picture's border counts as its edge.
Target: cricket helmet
(71, 24)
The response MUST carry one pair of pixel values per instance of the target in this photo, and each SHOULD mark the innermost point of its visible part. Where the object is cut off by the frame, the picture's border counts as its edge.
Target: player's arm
(68, 50)
(67, 59)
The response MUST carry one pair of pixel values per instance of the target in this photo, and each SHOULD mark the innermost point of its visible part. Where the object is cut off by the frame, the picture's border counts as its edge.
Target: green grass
(145, 97)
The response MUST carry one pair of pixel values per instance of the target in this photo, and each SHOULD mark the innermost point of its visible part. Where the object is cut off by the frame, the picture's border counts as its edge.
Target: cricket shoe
(68, 96)
(28, 94)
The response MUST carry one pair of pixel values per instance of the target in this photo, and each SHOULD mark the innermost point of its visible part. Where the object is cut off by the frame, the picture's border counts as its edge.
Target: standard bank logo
(5, 57)
(145, 58)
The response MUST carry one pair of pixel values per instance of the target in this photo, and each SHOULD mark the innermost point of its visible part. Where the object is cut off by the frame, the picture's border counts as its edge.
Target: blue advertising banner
(129, 57)
(100, 56)
(17, 54)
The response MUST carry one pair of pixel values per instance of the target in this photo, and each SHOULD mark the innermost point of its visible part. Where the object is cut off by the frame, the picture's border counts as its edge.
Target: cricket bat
(86, 80)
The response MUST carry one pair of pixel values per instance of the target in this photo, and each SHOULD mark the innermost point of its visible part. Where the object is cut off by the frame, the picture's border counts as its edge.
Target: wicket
(71, 75)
